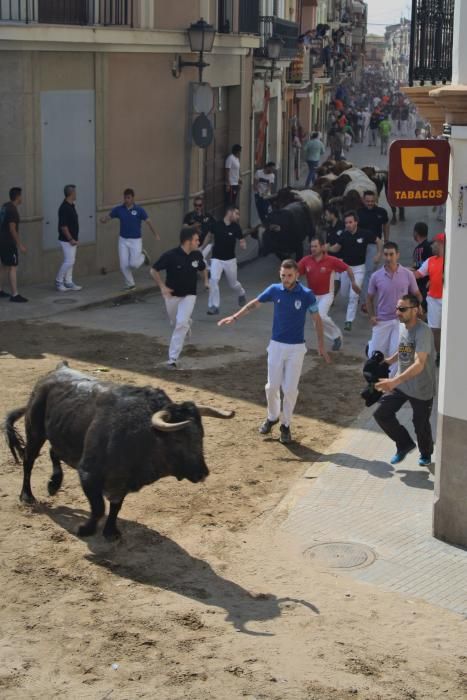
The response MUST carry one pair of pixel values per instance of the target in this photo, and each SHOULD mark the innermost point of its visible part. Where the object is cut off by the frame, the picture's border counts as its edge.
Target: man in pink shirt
(319, 269)
(388, 284)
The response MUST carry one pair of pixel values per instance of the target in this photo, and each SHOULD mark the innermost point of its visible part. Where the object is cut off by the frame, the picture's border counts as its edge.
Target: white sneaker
(72, 287)
(60, 287)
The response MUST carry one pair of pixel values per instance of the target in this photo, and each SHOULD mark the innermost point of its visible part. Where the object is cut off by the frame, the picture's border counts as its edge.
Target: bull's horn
(214, 412)
(159, 421)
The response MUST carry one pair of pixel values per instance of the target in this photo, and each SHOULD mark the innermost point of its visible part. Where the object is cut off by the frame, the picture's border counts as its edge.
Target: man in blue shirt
(287, 348)
(130, 244)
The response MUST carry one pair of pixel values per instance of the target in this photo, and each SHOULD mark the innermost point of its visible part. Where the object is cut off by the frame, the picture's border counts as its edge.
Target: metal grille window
(248, 17)
(431, 40)
(74, 12)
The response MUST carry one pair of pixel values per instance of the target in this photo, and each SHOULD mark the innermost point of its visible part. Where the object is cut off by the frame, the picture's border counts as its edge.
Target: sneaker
(266, 427)
(147, 259)
(348, 326)
(4, 295)
(285, 437)
(60, 287)
(128, 287)
(401, 455)
(71, 286)
(424, 460)
(18, 299)
(171, 365)
(212, 310)
(337, 343)
(242, 300)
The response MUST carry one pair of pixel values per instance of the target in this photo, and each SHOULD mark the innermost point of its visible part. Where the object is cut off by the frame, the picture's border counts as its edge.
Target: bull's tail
(13, 439)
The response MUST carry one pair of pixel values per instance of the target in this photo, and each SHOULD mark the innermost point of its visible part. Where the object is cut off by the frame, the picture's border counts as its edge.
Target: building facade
(397, 50)
(88, 96)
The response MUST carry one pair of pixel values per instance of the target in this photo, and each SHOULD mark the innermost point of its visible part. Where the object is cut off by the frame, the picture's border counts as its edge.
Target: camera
(374, 369)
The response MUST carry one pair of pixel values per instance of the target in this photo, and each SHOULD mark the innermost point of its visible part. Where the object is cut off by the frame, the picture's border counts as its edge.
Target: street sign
(418, 173)
(202, 131)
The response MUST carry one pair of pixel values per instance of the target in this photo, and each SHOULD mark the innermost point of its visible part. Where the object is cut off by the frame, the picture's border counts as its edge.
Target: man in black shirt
(334, 231)
(204, 223)
(10, 242)
(421, 252)
(68, 230)
(374, 219)
(353, 245)
(226, 233)
(182, 265)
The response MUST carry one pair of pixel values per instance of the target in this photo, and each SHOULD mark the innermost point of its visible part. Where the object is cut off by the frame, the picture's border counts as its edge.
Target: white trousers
(130, 255)
(179, 310)
(385, 338)
(65, 273)
(284, 368)
(369, 269)
(206, 252)
(330, 330)
(230, 269)
(434, 308)
(346, 290)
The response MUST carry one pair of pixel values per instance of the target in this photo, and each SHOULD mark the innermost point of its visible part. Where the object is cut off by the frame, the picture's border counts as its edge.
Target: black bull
(119, 438)
(286, 230)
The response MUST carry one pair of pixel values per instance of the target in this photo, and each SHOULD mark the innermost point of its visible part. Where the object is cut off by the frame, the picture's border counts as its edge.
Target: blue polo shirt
(130, 220)
(290, 309)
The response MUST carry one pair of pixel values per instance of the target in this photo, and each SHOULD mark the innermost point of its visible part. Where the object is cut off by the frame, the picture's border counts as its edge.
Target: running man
(130, 244)
(354, 243)
(388, 284)
(182, 265)
(415, 382)
(204, 223)
(287, 348)
(226, 233)
(319, 269)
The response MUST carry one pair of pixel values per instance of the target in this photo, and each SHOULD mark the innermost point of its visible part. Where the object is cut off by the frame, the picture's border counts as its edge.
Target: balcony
(282, 28)
(69, 12)
(431, 38)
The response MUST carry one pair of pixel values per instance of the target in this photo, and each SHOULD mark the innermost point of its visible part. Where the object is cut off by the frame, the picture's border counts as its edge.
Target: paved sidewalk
(355, 496)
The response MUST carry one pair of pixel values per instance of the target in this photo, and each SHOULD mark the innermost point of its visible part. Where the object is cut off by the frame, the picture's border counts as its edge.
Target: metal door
(68, 158)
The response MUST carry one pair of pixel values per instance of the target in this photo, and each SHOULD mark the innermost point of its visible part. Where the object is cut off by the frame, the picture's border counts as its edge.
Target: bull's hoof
(87, 530)
(53, 486)
(27, 498)
(112, 535)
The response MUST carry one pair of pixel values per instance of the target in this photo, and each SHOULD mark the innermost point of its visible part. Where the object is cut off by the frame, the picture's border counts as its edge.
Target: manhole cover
(341, 555)
(65, 301)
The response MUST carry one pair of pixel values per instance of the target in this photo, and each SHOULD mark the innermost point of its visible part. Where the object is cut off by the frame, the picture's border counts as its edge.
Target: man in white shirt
(262, 186)
(233, 181)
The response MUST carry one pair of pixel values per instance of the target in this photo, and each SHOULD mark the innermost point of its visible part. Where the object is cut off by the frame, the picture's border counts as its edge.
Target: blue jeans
(311, 177)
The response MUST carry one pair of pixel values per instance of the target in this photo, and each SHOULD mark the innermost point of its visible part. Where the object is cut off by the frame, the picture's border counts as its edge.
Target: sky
(384, 12)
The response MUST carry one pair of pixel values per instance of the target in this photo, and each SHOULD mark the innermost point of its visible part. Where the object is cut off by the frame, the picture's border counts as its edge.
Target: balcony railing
(300, 70)
(69, 12)
(431, 36)
(282, 28)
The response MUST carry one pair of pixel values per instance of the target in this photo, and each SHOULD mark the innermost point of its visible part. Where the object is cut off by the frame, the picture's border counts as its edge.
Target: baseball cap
(441, 237)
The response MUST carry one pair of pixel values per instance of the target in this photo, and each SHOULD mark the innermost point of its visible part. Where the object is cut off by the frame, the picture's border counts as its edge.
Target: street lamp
(201, 36)
(273, 50)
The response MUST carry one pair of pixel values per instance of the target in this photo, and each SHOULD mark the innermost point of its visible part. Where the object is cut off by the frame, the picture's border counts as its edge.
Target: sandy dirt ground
(202, 598)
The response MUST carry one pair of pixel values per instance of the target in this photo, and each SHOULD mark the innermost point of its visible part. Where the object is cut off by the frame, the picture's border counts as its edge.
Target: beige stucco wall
(175, 15)
(140, 141)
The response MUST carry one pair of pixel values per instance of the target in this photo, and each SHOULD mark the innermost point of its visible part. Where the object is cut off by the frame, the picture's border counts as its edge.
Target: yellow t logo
(419, 164)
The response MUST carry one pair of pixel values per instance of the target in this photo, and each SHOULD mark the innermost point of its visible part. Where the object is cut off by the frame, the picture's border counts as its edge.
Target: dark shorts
(8, 255)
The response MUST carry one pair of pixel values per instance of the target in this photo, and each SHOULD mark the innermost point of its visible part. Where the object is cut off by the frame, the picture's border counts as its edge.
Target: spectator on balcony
(312, 151)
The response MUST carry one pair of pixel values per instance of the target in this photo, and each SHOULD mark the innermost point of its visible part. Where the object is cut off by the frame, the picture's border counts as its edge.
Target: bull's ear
(160, 421)
(61, 364)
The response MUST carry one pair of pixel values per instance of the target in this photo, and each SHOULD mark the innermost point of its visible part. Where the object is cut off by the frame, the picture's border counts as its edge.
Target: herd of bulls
(297, 214)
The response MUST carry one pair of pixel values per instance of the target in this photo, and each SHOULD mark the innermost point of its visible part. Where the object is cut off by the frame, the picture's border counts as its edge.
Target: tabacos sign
(418, 173)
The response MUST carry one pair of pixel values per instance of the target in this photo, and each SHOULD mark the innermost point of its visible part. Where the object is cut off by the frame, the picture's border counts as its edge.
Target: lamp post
(201, 36)
(273, 51)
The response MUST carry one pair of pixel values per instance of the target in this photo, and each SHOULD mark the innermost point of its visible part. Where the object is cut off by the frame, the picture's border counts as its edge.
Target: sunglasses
(403, 309)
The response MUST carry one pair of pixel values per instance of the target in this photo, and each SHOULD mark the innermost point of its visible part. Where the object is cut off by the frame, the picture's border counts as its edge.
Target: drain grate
(341, 555)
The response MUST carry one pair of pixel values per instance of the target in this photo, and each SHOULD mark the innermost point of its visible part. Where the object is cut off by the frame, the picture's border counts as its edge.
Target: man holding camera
(415, 381)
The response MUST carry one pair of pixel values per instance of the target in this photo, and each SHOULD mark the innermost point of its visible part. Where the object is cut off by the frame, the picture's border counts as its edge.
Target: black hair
(369, 193)
(319, 238)
(14, 193)
(187, 233)
(332, 209)
(421, 228)
(352, 213)
(412, 299)
(236, 148)
(271, 164)
(390, 245)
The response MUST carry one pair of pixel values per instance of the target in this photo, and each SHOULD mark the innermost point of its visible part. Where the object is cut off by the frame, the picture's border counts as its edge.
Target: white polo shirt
(232, 164)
